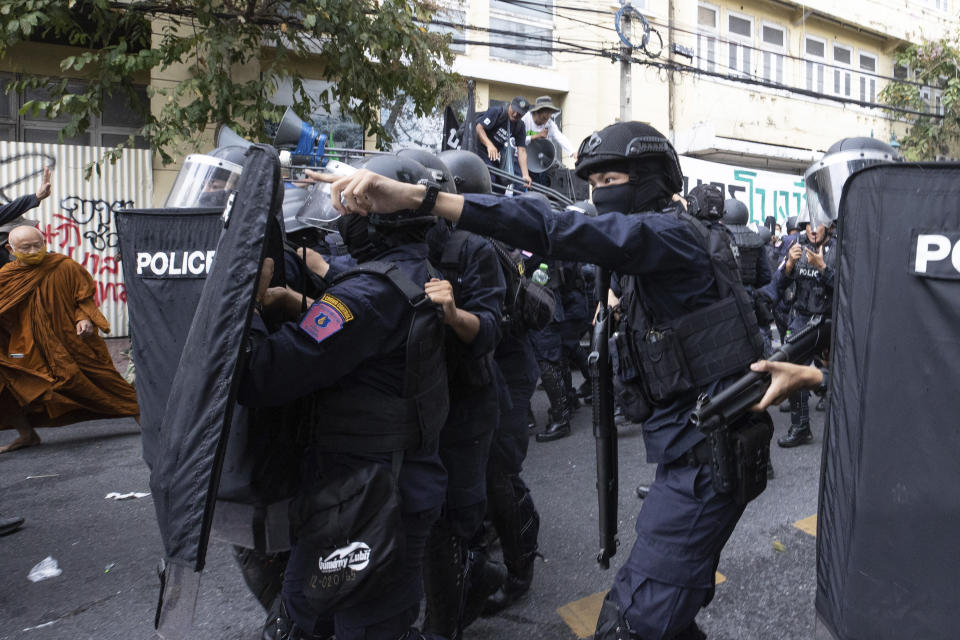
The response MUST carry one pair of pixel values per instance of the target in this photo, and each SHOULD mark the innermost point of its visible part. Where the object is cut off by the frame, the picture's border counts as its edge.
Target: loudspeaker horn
(542, 155)
(227, 137)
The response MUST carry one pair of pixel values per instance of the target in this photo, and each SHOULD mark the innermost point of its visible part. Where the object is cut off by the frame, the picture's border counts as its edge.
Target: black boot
(279, 626)
(585, 391)
(642, 491)
(263, 573)
(559, 427)
(516, 519)
(485, 579)
(796, 436)
(515, 587)
(443, 573)
(822, 404)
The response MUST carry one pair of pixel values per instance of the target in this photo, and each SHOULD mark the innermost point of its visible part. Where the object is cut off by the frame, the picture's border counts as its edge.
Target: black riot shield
(189, 433)
(889, 510)
(167, 254)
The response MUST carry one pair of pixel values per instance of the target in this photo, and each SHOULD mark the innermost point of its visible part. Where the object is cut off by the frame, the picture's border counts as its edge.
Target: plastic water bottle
(541, 276)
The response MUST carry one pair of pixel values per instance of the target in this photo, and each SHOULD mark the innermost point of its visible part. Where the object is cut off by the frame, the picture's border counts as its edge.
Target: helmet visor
(203, 181)
(317, 210)
(825, 179)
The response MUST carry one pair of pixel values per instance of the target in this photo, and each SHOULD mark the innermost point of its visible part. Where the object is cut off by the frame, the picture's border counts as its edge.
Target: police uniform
(684, 522)
(469, 263)
(549, 346)
(813, 295)
(353, 342)
(755, 269)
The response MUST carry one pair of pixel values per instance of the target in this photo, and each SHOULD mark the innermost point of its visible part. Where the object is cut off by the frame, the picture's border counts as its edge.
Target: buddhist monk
(54, 366)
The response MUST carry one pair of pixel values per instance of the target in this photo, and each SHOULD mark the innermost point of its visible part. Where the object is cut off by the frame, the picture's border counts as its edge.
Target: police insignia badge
(325, 318)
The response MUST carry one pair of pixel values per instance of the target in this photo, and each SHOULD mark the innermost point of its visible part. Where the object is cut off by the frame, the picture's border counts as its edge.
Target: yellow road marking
(581, 615)
(808, 525)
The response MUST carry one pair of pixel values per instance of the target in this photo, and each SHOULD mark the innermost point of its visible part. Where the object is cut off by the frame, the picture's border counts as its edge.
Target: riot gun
(733, 402)
(604, 430)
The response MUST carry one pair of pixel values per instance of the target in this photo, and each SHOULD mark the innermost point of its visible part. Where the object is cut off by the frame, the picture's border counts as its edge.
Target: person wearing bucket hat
(11, 214)
(539, 123)
(500, 128)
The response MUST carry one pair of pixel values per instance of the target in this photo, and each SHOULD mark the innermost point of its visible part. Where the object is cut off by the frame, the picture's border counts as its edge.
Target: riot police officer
(368, 356)
(672, 268)
(755, 269)
(510, 505)
(809, 266)
(472, 296)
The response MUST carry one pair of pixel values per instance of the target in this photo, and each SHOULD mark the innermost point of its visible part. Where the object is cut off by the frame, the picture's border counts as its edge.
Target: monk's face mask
(31, 259)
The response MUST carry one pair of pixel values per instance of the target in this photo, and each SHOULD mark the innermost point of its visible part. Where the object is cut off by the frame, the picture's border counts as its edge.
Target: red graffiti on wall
(64, 235)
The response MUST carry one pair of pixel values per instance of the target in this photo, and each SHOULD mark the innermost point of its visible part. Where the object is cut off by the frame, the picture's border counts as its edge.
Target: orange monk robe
(61, 377)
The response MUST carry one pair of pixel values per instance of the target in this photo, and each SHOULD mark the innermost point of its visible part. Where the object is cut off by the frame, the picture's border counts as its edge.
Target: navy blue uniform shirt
(368, 350)
(659, 248)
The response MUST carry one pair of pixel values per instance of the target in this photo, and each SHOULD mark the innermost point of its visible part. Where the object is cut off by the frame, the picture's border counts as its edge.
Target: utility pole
(626, 110)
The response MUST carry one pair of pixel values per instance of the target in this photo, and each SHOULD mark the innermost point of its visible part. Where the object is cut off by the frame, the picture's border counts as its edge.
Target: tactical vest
(370, 421)
(462, 368)
(750, 246)
(677, 355)
(813, 297)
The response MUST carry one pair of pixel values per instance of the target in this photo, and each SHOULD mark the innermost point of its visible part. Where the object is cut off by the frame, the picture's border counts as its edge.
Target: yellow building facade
(766, 84)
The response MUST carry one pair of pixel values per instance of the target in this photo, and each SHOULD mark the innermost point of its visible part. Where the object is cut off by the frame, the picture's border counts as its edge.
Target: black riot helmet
(439, 171)
(369, 236)
(470, 174)
(735, 212)
(618, 147)
(792, 224)
(765, 234)
(825, 178)
(705, 201)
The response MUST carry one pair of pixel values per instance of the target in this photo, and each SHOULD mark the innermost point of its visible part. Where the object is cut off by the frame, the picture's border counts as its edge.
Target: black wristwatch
(429, 198)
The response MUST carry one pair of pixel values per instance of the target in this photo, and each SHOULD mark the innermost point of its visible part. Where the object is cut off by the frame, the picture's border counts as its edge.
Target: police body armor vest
(677, 355)
(368, 421)
(812, 295)
(750, 246)
(462, 368)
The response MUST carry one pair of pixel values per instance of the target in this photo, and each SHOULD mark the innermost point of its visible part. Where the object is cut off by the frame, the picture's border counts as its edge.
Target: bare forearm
(466, 325)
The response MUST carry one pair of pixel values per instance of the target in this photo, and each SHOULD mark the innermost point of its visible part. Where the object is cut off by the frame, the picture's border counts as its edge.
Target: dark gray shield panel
(889, 511)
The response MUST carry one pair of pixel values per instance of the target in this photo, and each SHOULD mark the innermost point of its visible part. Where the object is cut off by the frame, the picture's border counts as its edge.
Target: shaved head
(25, 238)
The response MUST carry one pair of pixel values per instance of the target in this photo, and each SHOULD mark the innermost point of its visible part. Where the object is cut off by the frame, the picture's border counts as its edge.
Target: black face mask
(646, 192)
(356, 233)
(616, 197)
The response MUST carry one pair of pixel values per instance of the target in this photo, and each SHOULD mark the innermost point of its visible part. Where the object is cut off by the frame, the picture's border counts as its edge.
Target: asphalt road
(108, 550)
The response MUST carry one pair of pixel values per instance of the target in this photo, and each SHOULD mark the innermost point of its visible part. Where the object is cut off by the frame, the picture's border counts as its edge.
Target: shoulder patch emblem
(325, 318)
(338, 304)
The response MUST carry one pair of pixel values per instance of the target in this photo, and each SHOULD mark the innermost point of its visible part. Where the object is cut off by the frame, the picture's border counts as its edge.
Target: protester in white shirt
(540, 124)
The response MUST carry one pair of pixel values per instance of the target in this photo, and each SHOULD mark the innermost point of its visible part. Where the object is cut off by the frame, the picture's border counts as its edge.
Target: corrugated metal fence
(78, 218)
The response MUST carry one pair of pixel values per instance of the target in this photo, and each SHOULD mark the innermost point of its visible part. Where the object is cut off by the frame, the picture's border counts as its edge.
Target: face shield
(203, 181)
(824, 181)
(317, 210)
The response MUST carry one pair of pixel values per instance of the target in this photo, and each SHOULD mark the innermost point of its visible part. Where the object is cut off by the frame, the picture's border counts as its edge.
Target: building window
(117, 122)
(526, 35)
(708, 23)
(533, 26)
(868, 79)
(815, 56)
(774, 45)
(453, 13)
(842, 77)
(740, 31)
